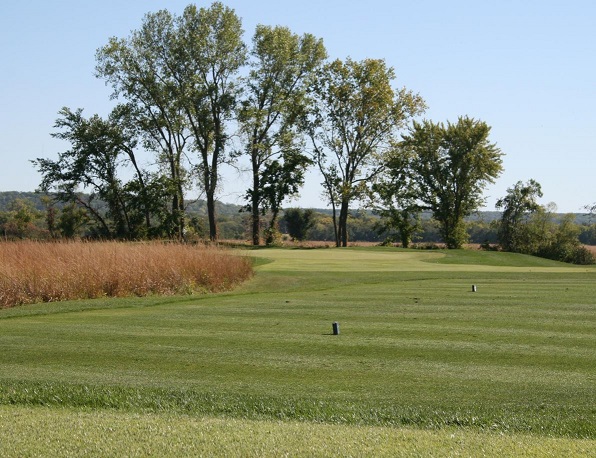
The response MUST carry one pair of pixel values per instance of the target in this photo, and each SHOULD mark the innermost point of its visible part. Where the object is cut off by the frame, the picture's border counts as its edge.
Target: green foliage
(298, 222)
(560, 241)
(273, 237)
(272, 106)
(481, 231)
(177, 73)
(99, 147)
(527, 227)
(519, 203)
(19, 221)
(71, 219)
(588, 234)
(207, 57)
(450, 166)
(139, 71)
(355, 119)
(394, 200)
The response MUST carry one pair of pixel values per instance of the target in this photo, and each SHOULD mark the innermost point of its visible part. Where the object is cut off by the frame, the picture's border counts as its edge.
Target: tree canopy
(273, 103)
(355, 118)
(450, 166)
(519, 203)
(179, 74)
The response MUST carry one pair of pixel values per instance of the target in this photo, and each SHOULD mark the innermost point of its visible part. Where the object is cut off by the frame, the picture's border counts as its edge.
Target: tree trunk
(180, 211)
(335, 226)
(211, 215)
(96, 215)
(211, 185)
(256, 226)
(272, 227)
(343, 223)
(255, 201)
(171, 230)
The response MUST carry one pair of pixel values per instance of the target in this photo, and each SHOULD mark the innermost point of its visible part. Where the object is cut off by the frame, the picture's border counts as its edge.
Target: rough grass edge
(33, 272)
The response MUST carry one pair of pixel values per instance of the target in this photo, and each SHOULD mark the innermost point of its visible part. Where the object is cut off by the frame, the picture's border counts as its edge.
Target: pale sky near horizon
(525, 67)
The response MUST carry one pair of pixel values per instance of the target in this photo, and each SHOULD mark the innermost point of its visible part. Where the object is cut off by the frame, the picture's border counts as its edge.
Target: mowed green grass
(420, 357)
(38, 431)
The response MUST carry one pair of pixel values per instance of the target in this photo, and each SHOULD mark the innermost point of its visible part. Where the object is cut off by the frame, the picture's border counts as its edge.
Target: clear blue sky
(526, 67)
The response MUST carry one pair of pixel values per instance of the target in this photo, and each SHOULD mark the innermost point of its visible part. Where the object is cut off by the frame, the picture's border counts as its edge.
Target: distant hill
(199, 207)
(7, 197)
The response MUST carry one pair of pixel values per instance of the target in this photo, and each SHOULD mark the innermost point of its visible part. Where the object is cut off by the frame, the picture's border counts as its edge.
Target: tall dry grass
(32, 272)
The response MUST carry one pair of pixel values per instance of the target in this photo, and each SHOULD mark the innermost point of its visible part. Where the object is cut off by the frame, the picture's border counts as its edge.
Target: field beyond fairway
(420, 357)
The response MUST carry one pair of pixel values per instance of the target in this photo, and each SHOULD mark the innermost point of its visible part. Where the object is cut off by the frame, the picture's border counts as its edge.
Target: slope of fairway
(417, 348)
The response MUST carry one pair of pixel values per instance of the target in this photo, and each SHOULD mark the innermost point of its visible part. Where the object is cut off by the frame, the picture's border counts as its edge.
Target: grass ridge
(194, 402)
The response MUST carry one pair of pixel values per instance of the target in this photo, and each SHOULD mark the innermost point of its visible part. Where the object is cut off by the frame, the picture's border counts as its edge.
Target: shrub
(583, 256)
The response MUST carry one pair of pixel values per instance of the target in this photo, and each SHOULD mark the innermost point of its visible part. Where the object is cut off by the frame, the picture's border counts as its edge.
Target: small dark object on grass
(335, 328)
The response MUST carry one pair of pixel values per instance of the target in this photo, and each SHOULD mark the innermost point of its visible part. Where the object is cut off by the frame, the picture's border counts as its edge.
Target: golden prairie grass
(32, 272)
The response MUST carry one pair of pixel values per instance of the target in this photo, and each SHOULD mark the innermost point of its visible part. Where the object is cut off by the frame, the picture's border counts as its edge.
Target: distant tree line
(35, 216)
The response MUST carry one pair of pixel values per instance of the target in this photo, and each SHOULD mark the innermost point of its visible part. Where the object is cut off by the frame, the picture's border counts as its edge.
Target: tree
(529, 228)
(274, 101)
(519, 203)
(100, 149)
(179, 73)
(91, 164)
(207, 56)
(19, 221)
(140, 70)
(450, 165)
(394, 199)
(559, 240)
(298, 222)
(71, 219)
(356, 117)
(50, 214)
(279, 180)
(564, 241)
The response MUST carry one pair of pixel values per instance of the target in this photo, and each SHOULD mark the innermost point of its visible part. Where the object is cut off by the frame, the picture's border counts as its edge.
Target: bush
(273, 237)
(298, 222)
(583, 256)
(427, 246)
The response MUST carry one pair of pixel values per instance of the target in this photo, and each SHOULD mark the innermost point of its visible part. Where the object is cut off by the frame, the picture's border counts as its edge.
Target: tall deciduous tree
(207, 57)
(356, 118)
(140, 70)
(451, 164)
(519, 203)
(274, 101)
